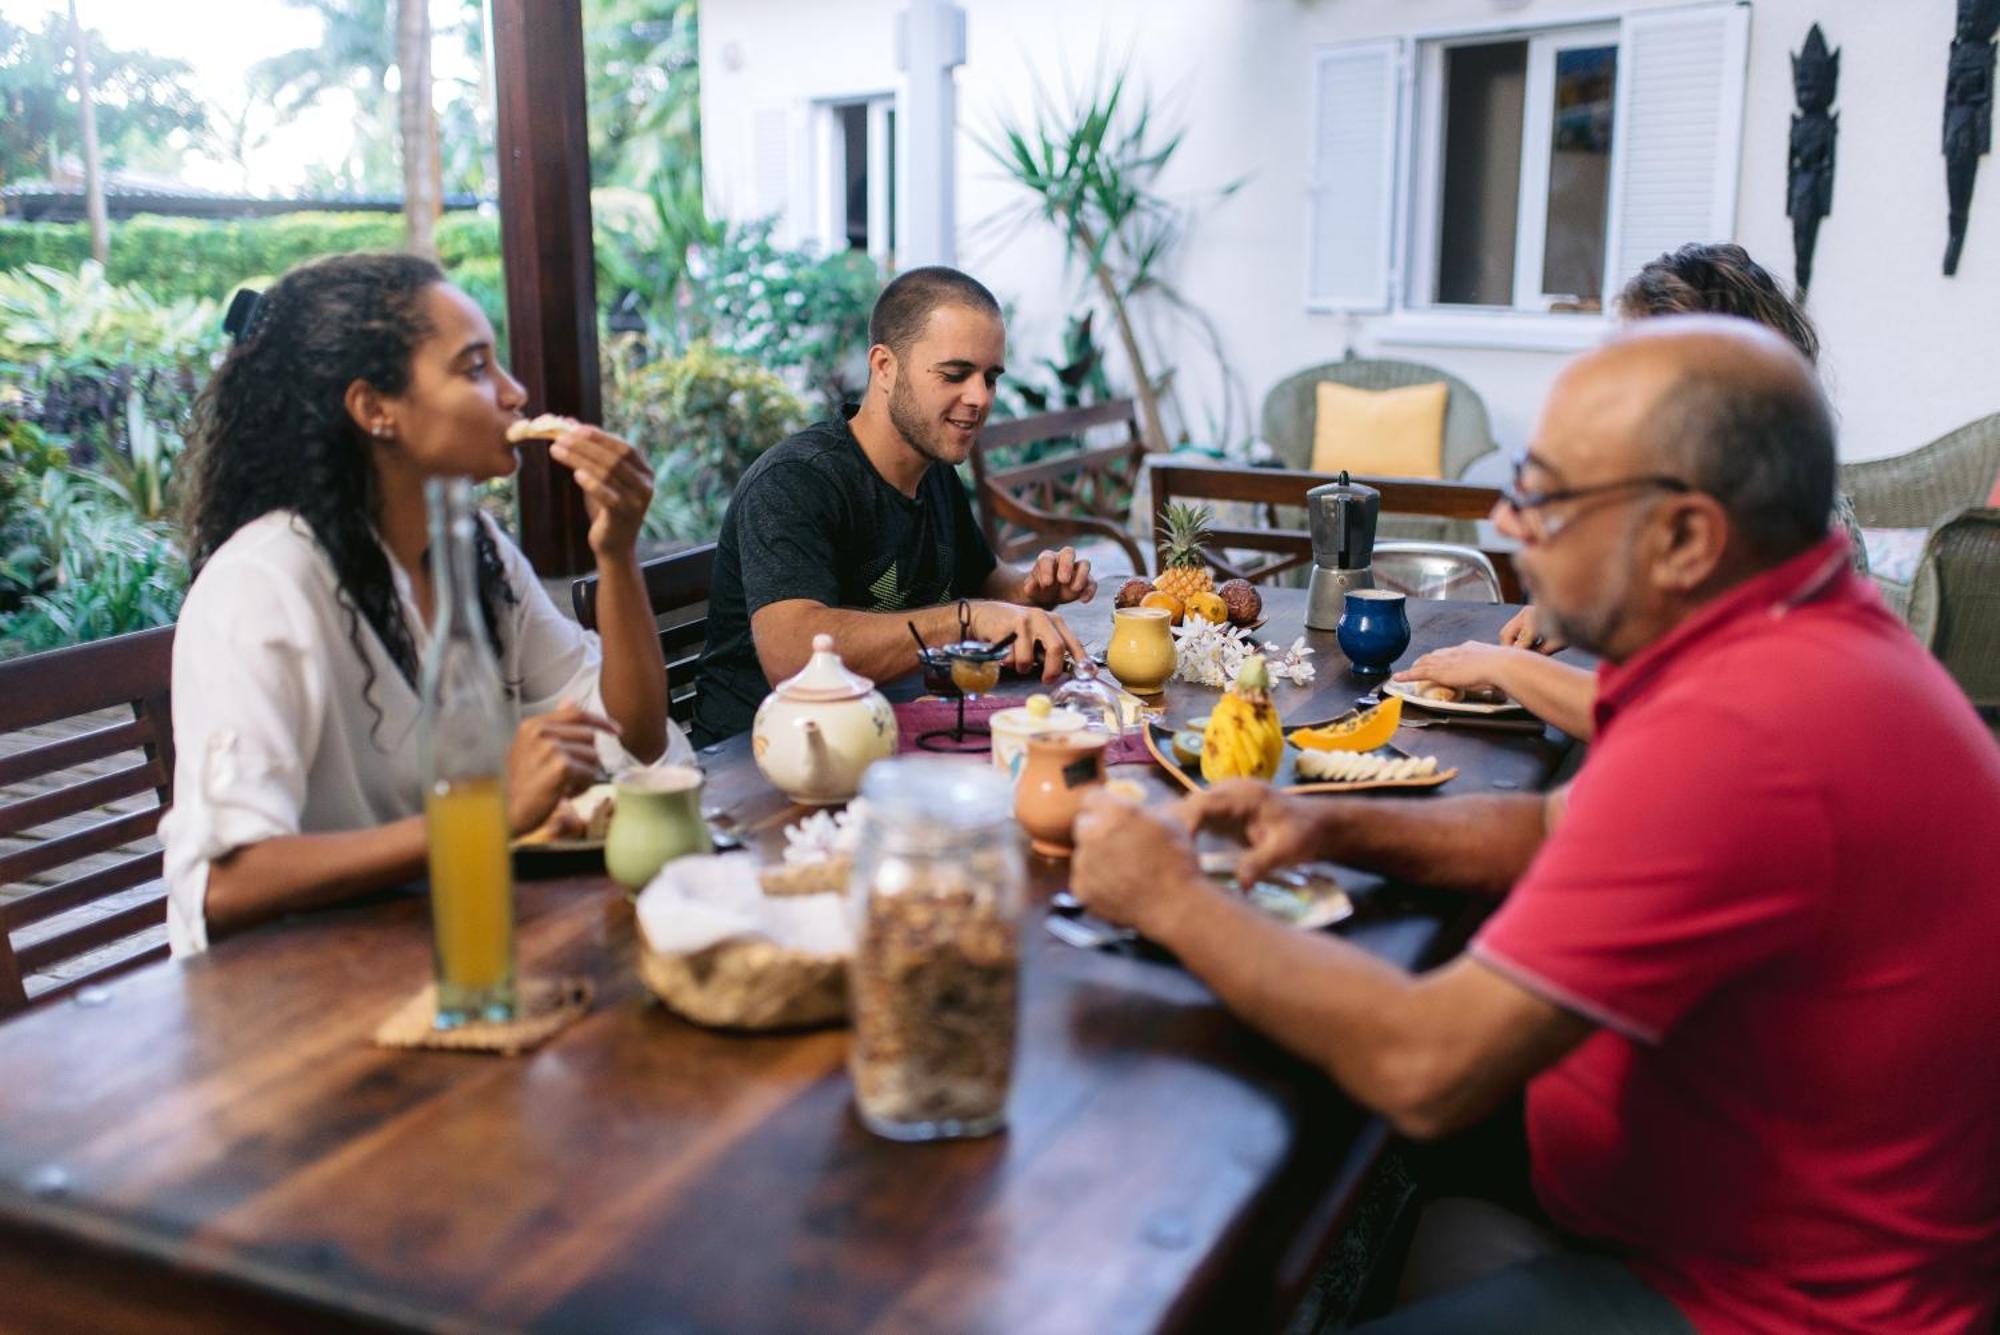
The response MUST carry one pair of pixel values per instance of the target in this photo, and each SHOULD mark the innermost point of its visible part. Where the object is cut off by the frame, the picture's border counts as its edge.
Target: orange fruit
(1161, 599)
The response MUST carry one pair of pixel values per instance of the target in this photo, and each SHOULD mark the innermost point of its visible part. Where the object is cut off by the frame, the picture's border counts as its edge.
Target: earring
(382, 431)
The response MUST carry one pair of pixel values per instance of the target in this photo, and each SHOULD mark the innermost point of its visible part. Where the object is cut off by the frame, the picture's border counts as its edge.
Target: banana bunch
(1245, 739)
(1362, 767)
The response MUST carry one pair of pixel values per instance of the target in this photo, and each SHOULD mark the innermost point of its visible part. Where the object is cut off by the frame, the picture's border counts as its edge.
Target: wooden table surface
(216, 1145)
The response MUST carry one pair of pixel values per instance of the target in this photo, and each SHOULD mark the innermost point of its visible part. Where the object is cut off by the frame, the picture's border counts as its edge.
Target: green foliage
(703, 417)
(645, 106)
(76, 565)
(787, 310)
(140, 99)
(49, 315)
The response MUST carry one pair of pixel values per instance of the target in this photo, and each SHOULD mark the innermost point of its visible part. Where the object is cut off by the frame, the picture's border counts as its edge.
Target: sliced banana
(1362, 767)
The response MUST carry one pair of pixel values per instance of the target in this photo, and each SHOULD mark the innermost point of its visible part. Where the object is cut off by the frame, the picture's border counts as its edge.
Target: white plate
(1403, 690)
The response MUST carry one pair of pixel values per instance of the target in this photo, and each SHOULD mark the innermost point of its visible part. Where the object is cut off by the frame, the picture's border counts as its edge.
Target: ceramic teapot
(817, 732)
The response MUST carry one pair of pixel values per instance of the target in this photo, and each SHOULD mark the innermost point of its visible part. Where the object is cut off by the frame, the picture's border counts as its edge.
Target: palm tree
(422, 165)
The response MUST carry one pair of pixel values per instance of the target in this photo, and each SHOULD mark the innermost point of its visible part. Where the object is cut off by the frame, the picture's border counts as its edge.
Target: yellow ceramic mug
(1141, 655)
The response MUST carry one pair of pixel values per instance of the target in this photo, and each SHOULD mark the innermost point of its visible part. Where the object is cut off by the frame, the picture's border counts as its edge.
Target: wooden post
(417, 123)
(545, 245)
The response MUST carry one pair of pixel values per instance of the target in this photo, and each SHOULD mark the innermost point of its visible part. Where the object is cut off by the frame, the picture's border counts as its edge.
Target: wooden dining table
(216, 1144)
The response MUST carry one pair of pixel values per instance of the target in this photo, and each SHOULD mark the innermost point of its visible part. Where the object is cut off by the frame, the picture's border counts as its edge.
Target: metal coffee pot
(1342, 515)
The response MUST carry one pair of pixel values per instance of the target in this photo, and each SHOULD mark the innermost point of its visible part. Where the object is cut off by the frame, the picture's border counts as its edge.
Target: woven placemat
(545, 1005)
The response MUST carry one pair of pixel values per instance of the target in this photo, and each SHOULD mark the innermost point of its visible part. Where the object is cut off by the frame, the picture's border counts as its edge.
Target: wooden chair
(73, 909)
(677, 590)
(1177, 479)
(1081, 493)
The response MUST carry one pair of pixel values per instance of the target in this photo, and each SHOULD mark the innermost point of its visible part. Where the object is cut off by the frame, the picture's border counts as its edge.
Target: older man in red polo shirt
(1744, 964)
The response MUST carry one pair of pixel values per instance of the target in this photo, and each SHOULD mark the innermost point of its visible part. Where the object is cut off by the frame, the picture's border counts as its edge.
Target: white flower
(823, 834)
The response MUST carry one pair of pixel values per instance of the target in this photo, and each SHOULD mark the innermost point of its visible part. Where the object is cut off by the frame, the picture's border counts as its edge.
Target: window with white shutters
(1356, 101)
(1524, 169)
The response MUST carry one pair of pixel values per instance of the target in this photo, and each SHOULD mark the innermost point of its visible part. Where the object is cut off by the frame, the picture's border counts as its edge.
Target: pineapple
(1183, 568)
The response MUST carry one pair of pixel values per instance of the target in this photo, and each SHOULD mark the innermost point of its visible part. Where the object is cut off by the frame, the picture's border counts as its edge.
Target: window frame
(1426, 166)
(828, 148)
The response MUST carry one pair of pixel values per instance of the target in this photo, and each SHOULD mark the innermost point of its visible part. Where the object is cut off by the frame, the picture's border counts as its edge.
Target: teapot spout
(820, 773)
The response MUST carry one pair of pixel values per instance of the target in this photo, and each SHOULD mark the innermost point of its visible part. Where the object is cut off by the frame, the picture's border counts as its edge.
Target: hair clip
(242, 311)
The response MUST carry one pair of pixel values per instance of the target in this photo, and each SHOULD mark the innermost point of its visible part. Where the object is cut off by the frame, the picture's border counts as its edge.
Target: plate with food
(1328, 759)
(1453, 699)
(1308, 897)
(571, 839)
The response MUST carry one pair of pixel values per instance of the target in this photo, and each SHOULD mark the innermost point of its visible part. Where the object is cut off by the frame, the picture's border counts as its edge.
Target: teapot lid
(824, 678)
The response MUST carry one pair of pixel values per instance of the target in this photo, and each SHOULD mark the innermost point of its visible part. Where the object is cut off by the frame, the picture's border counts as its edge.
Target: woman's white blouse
(273, 725)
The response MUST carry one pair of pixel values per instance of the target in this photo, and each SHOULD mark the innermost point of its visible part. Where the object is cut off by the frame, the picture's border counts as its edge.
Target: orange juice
(472, 900)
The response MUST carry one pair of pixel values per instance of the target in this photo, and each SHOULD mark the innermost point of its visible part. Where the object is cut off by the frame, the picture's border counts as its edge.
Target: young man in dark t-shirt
(855, 528)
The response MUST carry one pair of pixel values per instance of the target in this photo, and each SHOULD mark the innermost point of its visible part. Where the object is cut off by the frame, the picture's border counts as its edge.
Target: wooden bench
(1085, 492)
(73, 908)
(1178, 480)
(677, 590)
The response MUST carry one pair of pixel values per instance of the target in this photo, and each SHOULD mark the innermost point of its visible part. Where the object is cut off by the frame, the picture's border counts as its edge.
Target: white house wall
(1909, 353)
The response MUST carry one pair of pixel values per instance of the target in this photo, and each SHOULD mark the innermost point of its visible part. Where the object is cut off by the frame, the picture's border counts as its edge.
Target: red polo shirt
(1776, 887)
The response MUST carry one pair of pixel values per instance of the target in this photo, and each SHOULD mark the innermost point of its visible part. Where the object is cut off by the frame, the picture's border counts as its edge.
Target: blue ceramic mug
(1373, 630)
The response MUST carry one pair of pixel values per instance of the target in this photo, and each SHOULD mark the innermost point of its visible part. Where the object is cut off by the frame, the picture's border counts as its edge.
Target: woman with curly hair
(1702, 278)
(354, 381)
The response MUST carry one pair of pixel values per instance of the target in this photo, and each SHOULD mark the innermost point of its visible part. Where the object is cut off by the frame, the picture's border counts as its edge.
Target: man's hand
(1277, 831)
(1032, 628)
(1133, 866)
(1463, 666)
(1522, 631)
(1056, 578)
(554, 755)
(617, 487)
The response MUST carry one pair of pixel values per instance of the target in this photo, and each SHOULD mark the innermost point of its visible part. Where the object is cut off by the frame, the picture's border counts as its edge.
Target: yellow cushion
(1379, 432)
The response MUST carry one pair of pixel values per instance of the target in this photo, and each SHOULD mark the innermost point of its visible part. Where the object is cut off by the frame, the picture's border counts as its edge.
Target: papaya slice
(1365, 731)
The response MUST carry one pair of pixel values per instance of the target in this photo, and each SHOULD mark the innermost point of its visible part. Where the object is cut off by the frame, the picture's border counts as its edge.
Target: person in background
(354, 381)
(859, 527)
(1742, 964)
(1717, 278)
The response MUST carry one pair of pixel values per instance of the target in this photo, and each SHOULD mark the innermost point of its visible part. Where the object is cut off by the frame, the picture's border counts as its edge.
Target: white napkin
(696, 902)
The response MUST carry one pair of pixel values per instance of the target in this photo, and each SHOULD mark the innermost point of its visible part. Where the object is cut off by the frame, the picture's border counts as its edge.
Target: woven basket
(749, 985)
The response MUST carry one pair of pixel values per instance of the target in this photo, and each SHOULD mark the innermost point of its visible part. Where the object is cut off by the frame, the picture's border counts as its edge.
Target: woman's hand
(617, 486)
(1463, 666)
(554, 755)
(1523, 632)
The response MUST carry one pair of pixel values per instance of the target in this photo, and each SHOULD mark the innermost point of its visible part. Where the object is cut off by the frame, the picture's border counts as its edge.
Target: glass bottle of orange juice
(467, 726)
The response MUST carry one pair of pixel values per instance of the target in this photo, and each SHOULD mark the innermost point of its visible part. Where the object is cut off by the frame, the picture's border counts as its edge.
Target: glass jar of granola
(937, 893)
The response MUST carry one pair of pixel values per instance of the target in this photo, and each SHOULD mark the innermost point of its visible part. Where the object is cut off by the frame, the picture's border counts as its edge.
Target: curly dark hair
(1718, 278)
(272, 432)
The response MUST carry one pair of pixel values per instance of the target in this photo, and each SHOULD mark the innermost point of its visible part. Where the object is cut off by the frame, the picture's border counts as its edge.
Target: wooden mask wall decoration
(1968, 113)
(1809, 182)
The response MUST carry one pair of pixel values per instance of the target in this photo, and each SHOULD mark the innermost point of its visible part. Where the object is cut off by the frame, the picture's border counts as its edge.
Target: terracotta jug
(1061, 768)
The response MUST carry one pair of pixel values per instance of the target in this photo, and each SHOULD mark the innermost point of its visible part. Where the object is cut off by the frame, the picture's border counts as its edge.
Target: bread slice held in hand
(546, 427)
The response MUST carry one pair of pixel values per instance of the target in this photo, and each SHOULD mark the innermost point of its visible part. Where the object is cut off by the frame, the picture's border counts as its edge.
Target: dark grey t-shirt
(813, 519)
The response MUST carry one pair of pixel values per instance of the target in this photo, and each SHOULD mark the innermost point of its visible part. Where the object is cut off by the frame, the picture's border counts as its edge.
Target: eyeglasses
(1532, 506)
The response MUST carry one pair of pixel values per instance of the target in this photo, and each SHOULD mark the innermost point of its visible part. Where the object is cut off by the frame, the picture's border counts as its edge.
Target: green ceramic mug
(657, 819)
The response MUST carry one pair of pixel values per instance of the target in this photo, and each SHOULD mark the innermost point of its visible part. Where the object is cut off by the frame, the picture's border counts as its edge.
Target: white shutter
(1678, 132)
(1357, 98)
(778, 157)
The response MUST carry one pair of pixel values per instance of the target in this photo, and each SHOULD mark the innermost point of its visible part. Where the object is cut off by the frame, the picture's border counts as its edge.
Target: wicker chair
(1953, 600)
(1291, 406)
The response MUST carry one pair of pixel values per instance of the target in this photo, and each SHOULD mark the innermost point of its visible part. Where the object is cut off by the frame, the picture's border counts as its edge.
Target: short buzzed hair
(905, 306)
(1762, 445)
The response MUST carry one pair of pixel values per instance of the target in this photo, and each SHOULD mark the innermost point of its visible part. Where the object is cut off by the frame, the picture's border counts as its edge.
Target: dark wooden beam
(546, 248)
